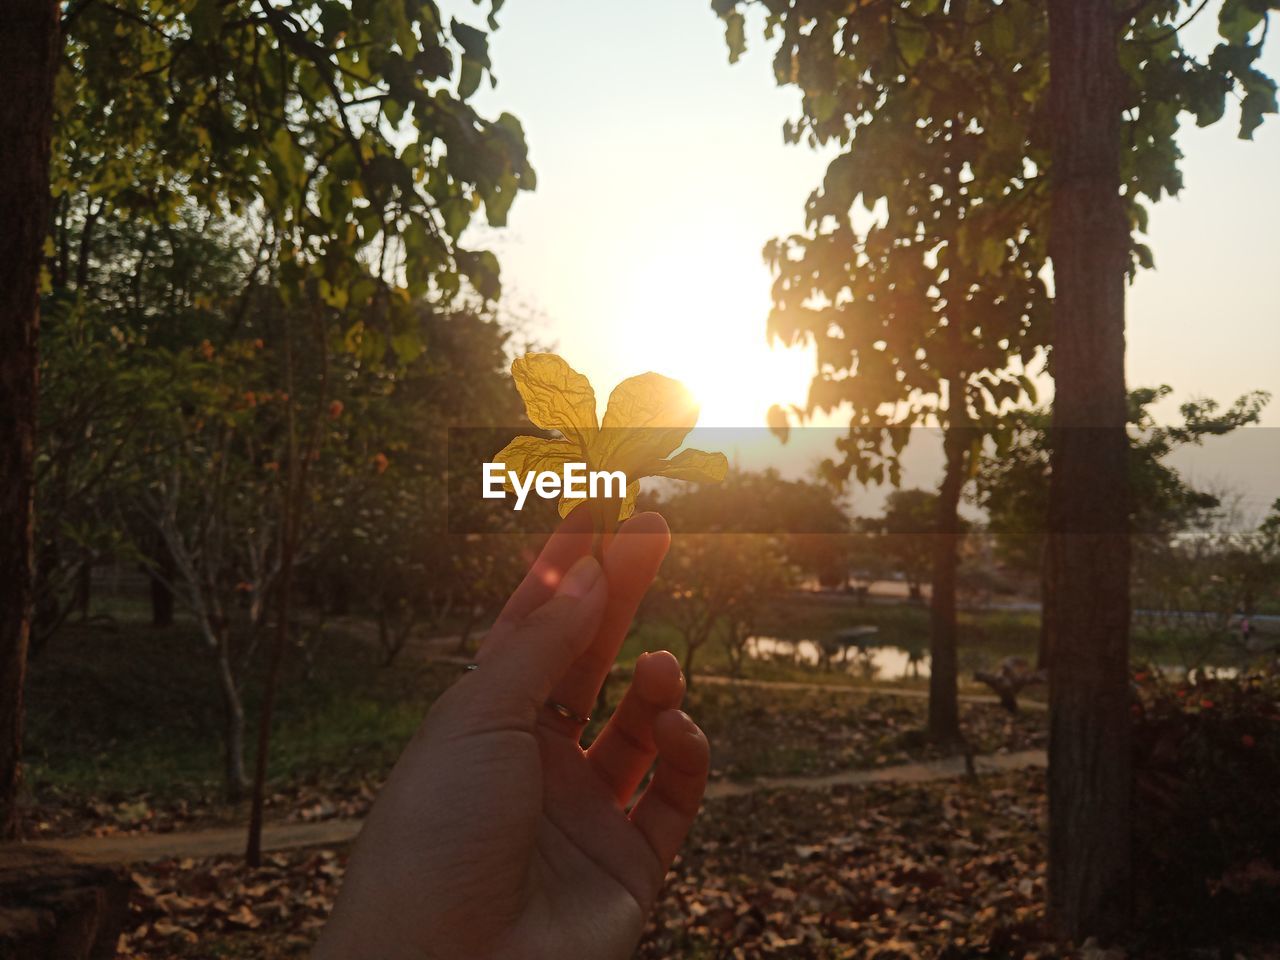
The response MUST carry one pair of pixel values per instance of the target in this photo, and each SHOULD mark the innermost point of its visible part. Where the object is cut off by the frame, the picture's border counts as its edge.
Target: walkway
(864, 689)
(221, 841)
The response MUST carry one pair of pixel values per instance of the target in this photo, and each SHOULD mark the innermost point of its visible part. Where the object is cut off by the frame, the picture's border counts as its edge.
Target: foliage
(1013, 485)
(226, 176)
(718, 585)
(958, 95)
(904, 534)
(755, 533)
(927, 304)
(87, 415)
(1207, 816)
(648, 417)
(1194, 586)
(101, 324)
(345, 128)
(395, 546)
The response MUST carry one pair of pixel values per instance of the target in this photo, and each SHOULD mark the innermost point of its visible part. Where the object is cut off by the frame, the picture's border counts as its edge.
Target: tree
(753, 532)
(819, 540)
(87, 413)
(339, 125)
(1089, 777)
(919, 61)
(1013, 482)
(718, 584)
(29, 51)
(213, 445)
(904, 529)
(131, 291)
(927, 304)
(407, 532)
(1192, 585)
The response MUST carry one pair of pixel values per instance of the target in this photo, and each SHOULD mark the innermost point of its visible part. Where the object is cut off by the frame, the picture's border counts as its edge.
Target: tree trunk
(234, 779)
(691, 647)
(84, 588)
(944, 708)
(161, 571)
(1047, 586)
(1089, 762)
(290, 507)
(29, 52)
(161, 602)
(339, 596)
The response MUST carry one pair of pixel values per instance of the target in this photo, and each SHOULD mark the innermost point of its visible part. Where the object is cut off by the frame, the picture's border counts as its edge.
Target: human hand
(496, 835)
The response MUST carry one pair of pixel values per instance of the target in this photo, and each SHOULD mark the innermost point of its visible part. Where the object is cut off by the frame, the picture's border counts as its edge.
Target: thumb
(528, 656)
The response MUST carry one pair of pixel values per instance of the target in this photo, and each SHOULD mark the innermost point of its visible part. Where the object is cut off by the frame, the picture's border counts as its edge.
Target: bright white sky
(662, 172)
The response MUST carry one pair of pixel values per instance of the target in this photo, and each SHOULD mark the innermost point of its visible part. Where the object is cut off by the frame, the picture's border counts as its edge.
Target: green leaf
(205, 19)
(475, 56)
(1259, 100)
(1237, 18)
(735, 34)
(408, 346)
(913, 43)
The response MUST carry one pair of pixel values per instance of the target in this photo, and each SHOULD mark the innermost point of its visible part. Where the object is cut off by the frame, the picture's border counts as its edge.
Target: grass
(122, 714)
(133, 710)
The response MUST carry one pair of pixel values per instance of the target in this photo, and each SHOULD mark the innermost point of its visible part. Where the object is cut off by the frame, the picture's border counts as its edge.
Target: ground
(123, 739)
(123, 727)
(888, 872)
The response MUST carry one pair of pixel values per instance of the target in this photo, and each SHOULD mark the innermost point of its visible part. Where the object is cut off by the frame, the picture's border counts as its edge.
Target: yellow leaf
(696, 465)
(556, 397)
(625, 509)
(525, 455)
(648, 416)
(629, 503)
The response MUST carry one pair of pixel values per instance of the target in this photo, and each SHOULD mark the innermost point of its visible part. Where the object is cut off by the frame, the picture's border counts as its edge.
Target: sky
(662, 172)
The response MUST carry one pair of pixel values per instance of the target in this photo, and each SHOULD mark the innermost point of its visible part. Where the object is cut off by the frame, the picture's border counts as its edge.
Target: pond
(870, 661)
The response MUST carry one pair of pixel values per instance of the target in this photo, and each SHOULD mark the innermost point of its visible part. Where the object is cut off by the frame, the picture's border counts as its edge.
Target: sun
(749, 378)
(698, 312)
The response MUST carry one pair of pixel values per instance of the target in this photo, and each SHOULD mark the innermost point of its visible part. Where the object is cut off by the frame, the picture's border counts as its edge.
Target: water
(866, 661)
(887, 662)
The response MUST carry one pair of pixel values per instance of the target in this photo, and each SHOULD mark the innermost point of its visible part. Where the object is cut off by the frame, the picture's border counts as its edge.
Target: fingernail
(580, 578)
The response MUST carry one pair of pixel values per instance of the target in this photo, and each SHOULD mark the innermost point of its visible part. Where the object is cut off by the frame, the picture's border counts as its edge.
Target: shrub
(1207, 807)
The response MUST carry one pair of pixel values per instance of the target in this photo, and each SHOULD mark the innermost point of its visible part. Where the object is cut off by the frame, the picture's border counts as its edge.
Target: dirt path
(864, 689)
(330, 833)
(921, 772)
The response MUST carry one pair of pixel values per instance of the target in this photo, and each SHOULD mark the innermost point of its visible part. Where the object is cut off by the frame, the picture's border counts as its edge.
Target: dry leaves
(948, 870)
(190, 908)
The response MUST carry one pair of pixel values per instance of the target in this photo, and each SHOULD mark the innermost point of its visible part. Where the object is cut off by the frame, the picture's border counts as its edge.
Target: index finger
(630, 563)
(569, 543)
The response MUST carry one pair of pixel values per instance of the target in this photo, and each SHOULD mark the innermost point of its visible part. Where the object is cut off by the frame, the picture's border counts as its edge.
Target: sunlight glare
(700, 310)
